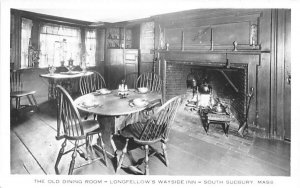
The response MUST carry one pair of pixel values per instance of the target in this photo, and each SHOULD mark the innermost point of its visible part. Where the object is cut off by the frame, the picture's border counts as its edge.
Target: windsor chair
(91, 83)
(71, 128)
(155, 129)
(150, 80)
(17, 91)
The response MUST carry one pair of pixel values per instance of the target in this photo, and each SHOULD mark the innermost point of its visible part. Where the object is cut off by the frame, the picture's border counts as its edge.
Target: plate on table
(139, 102)
(103, 91)
(70, 73)
(89, 104)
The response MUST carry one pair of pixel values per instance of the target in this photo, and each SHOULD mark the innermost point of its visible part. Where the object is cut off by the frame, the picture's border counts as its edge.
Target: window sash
(59, 43)
(25, 41)
(90, 47)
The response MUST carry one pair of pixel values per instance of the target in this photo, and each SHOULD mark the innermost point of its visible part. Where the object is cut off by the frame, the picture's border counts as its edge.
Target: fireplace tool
(245, 124)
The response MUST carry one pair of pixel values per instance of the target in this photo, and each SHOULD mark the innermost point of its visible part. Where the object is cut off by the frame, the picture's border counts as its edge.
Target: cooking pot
(219, 108)
(205, 88)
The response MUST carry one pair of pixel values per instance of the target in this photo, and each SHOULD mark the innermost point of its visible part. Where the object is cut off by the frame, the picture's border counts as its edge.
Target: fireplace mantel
(212, 58)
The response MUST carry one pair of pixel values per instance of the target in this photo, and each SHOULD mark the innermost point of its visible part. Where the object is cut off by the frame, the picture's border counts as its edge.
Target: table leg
(51, 89)
(107, 127)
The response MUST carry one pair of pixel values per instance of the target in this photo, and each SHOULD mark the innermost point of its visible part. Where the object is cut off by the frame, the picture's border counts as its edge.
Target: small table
(208, 116)
(62, 78)
(110, 108)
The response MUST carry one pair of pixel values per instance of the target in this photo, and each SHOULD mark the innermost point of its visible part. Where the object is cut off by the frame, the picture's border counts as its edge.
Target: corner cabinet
(118, 64)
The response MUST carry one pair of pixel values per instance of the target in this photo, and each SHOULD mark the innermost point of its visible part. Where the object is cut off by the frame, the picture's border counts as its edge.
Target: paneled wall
(146, 46)
(212, 32)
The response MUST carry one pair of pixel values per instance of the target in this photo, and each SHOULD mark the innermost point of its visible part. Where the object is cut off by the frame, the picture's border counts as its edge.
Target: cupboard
(120, 62)
(121, 54)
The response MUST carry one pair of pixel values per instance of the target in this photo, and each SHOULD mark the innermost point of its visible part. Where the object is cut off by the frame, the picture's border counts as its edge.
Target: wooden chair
(71, 128)
(150, 80)
(155, 129)
(17, 92)
(91, 83)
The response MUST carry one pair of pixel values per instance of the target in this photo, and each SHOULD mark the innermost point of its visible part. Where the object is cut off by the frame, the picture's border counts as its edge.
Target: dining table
(111, 110)
(62, 78)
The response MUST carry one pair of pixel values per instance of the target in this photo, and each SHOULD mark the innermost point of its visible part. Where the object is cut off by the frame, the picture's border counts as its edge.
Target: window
(58, 44)
(25, 41)
(90, 47)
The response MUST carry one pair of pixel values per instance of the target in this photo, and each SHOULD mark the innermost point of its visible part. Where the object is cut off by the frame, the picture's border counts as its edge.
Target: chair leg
(17, 103)
(35, 103)
(146, 160)
(73, 158)
(60, 154)
(124, 151)
(28, 97)
(164, 148)
(101, 143)
(88, 146)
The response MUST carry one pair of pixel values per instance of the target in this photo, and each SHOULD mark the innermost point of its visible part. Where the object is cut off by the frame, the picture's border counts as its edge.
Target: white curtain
(25, 40)
(59, 43)
(90, 47)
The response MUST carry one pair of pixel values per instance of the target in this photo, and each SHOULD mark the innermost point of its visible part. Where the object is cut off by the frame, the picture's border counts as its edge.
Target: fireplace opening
(206, 84)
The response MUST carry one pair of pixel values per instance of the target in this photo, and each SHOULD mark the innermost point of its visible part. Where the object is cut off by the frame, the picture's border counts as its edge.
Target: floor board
(191, 151)
(22, 162)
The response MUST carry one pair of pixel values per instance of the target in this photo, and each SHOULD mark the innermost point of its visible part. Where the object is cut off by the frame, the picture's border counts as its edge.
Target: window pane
(25, 40)
(90, 47)
(59, 44)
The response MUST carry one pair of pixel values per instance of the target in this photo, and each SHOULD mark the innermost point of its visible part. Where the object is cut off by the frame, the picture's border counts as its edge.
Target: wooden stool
(223, 119)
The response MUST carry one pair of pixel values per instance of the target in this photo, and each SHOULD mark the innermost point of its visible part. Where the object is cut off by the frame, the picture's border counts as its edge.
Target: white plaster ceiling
(123, 10)
(108, 10)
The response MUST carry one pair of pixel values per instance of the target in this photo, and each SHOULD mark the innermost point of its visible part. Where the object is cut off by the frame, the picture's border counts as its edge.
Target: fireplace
(228, 84)
(231, 75)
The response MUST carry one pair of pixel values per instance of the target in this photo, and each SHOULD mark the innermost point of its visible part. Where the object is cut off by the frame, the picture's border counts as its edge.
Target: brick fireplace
(228, 83)
(231, 75)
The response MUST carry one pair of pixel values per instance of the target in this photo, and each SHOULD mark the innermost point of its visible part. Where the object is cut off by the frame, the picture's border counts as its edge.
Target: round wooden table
(61, 78)
(110, 109)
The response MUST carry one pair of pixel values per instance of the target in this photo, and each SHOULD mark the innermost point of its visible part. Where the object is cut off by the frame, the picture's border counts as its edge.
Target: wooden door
(114, 67)
(131, 65)
(119, 63)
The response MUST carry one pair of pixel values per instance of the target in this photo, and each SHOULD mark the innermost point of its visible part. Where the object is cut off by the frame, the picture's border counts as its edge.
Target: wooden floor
(191, 151)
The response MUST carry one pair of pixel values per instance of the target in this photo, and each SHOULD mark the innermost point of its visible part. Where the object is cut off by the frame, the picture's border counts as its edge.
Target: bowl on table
(142, 89)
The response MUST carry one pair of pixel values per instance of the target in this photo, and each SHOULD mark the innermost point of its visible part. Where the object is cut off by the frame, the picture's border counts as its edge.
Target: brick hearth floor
(188, 122)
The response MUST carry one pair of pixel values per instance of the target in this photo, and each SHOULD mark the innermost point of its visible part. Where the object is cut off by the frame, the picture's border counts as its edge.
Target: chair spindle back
(150, 80)
(159, 126)
(91, 83)
(16, 83)
(67, 116)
